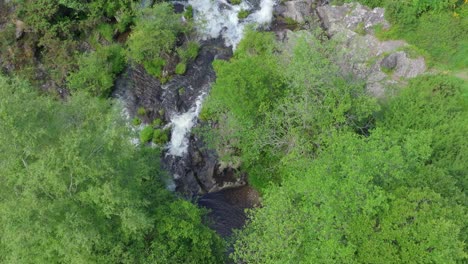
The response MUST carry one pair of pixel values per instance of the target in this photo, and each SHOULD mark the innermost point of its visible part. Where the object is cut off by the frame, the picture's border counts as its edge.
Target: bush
(146, 134)
(180, 68)
(243, 14)
(97, 70)
(160, 136)
(190, 52)
(157, 122)
(188, 13)
(141, 111)
(136, 121)
(154, 37)
(155, 67)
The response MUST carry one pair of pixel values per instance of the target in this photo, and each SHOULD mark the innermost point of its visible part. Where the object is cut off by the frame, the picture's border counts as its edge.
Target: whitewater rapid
(181, 126)
(216, 18)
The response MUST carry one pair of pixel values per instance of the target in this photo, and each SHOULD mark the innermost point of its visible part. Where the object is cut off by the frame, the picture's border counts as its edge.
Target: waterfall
(181, 126)
(215, 18)
(219, 18)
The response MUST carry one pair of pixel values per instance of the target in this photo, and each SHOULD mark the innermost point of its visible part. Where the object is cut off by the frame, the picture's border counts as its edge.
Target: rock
(352, 16)
(360, 53)
(407, 67)
(298, 10)
(389, 62)
(19, 29)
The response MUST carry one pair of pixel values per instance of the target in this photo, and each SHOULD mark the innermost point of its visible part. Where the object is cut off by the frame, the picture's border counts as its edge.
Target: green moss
(235, 2)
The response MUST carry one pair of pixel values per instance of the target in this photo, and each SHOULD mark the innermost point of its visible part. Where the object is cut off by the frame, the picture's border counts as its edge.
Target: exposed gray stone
(352, 16)
(379, 63)
(390, 62)
(299, 10)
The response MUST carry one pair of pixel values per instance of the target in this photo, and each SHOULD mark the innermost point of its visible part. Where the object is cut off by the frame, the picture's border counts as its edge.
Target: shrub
(146, 134)
(97, 70)
(141, 111)
(243, 14)
(154, 37)
(189, 52)
(136, 121)
(106, 31)
(160, 136)
(156, 122)
(188, 13)
(181, 68)
(155, 67)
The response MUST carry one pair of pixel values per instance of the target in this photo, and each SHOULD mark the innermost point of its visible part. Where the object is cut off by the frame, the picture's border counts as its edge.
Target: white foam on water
(219, 18)
(181, 126)
(265, 14)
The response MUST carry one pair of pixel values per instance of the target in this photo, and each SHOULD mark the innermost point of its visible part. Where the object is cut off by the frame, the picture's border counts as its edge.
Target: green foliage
(146, 134)
(434, 106)
(437, 27)
(58, 28)
(188, 13)
(268, 115)
(136, 121)
(189, 52)
(180, 68)
(397, 195)
(97, 71)
(235, 2)
(157, 122)
(243, 14)
(249, 83)
(106, 31)
(154, 37)
(75, 190)
(160, 136)
(155, 67)
(141, 111)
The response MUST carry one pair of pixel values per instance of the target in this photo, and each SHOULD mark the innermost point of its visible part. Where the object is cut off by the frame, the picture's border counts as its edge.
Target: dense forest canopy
(345, 177)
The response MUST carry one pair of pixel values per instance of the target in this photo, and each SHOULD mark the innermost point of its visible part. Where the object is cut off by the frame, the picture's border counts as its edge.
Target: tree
(97, 71)
(154, 37)
(332, 209)
(75, 190)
